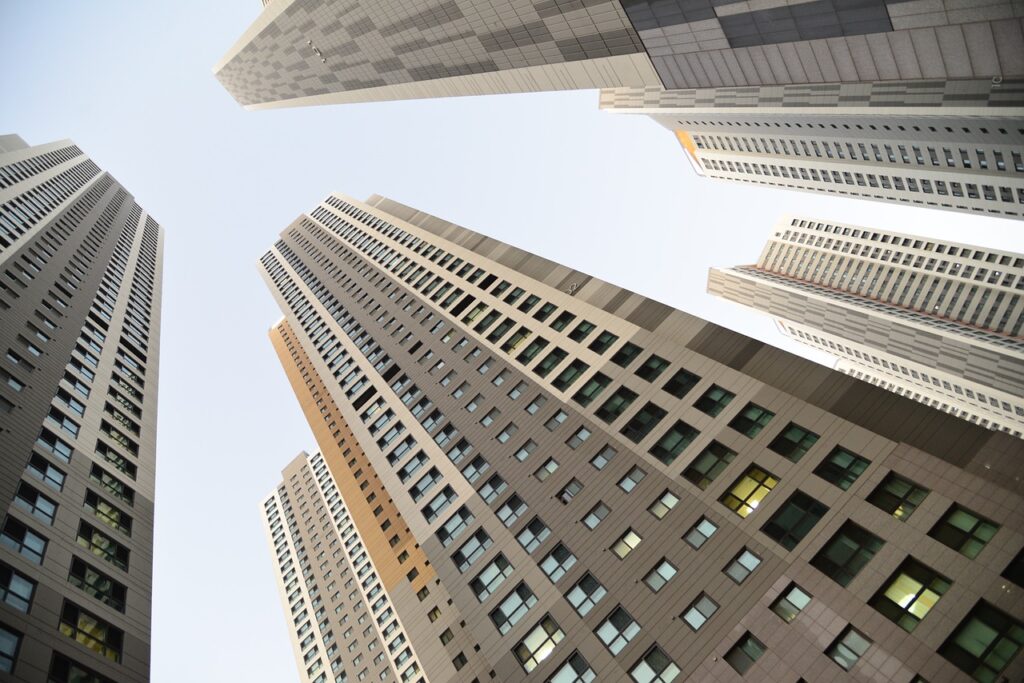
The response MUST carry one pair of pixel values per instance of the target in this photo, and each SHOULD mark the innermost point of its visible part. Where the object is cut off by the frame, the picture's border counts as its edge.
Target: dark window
(592, 389)
(641, 424)
(794, 520)
(846, 553)
(751, 420)
(793, 442)
(964, 531)
(848, 648)
(984, 643)
(616, 404)
(556, 356)
(791, 602)
(744, 653)
(567, 377)
(714, 400)
(535, 346)
(1015, 570)
(674, 441)
(603, 342)
(709, 464)
(562, 321)
(582, 331)
(681, 383)
(627, 354)
(842, 467)
(898, 496)
(652, 368)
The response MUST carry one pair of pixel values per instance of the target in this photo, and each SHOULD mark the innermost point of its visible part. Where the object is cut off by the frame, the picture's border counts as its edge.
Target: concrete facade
(80, 328)
(941, 322)
(606, 488)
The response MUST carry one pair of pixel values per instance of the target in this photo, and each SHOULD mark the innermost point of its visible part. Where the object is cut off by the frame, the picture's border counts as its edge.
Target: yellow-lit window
(749, 490)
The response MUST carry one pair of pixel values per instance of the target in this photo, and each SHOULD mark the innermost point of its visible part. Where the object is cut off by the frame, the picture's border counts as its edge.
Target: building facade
(955, 145)
(529, 474)
(80, 329)
(939, 322)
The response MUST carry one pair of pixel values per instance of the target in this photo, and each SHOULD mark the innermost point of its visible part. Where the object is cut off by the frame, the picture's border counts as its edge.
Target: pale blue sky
(131, 83)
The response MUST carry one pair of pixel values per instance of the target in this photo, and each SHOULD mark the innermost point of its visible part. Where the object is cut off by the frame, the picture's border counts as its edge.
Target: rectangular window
(603, 342)
(35, 503)
(101, 545)
(631, 479)
(550, 362)
(538, 644)
(493, 488)
(652, 368)
(742, 566)
(535, 346)
(470, 551)
(524, 452)
(661, 574)
(714, 400)
(848, 648)
(562, 321)
(791, 602)
(616, 404)
(582, 331)
(587, 592)
(964, 531)
(91, 631)
(490, 577)
(744, 653)
(842, 467)
(984, 643)
(572, 372)
(439, 504)
(97, 584)
(578, 438)
(513, 608)
(910, 594)
(511, 510)
(794, 520)
(673, 442)
(751, 420)
(576, 669)
(16, 589)
(846, 553)
(533, 534)
(596, 515)
(898, 496)
(702, 609)
(654, 667)
(455, 525)
(663, 504)
(603, 457)
(749, 490)
(626, 544)
(700, 532)
(9, 643)
(627, 354)
(706, 467)
(617, 630)
(681, 383)
(23, 540)
(592, 389)
(793, 442)
(558, 562)
(641, 424)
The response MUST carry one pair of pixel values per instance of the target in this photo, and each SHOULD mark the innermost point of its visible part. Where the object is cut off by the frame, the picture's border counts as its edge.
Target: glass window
(517, 391)
(562, 321)
(475, 469)
(538, 643)
(471, 550)
(617, 630)
(533, 534)
(556, 420)
(660, 575)
(557, 562)
(511, 510)
(654, 667)
(641, 424)
(574, 670)
(592, 389)
(652, 368)
(910, 594)
(596, 515)
(702, 609)
(749, 490)
(846, 553)
(626, 544)
(603, 457)
(455, 525)
(675, 440)
(627, 354)
(898, 496)
(97, 584)
(791, 602)
(488, 419)
(603, 342)
(535, 346)
(744, 653)
(842, 467)
(40, 468)
(570, 490)
(632, 478)
(567, 377)
(663, 504)
(848, 648)
(536, 404)
(751, 420)
(9, 642)
(23, 540)
(714, 400)
(513, 608)
(524, 452)
(616, 404)
(550, 361)
(681, 383)
(91, 631)
(700, 532)
(706, 467)
(582, 331)
(490, 577)
(984, 643)
(507, 432)
(493, 488)
(587, 592)
(35, 503)
(546, 470)
(578, 438)
(964, 531)
(742, 566)
(793, 442)
(794, 520)
(16, 589)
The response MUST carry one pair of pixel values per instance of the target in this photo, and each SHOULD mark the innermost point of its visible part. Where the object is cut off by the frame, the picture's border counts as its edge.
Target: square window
(626, 355)
(791, 602)
(846, 553)
(576, 669)
(702, 609)
(751, 420)
(984, 643)
(706, 467)
(848, 648)
(654, 667)
(557, 562)
(511, 510)
(794, 520)
(507, 432)
(793, 442)
(749, 490)
(596, 515)
(675, 440)
(490, 577)
(488, 419)
(842, 467)
(587, 592)
(700, 532)
(910, 594)
(626, 544)
(663, 504)
(538, 644)
(681, 383)
(742, 566)
(714, 400)
(641, 424)
(652, 368)
(964, 531)
(524, 452)
(660, 575)
(898, 496)
(513, 608)
(533, 534)
(616, 404)
(744, 653)
(617, 630)
(632, 478)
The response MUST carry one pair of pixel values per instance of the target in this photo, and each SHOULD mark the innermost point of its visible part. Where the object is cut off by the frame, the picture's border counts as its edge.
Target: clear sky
(131, 83)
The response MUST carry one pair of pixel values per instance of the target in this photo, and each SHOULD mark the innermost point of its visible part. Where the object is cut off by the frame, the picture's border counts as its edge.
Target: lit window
(538, 643)
(898, 496)
(91, 631)
(910, 594)
(626, 544)
(748, 491)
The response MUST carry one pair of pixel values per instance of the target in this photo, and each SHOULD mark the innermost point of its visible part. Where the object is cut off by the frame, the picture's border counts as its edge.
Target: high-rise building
(956, 145)
(301, 52)
(940, 322)
(80, 329)
(526, 473)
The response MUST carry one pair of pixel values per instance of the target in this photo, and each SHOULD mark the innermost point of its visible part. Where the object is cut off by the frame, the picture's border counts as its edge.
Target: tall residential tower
(80, 273)
(526, 473)
(940, 322)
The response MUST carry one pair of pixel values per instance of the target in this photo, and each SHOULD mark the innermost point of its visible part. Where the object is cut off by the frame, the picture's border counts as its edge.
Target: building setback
(531, 474)
(937, 321)
(955, 145)
(80, 328)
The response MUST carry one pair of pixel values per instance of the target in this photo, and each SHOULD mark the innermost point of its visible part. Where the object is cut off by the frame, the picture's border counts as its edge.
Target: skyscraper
(301, 52)
(939, 322)
(950, 144)
(529, 474)
(80, 329)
